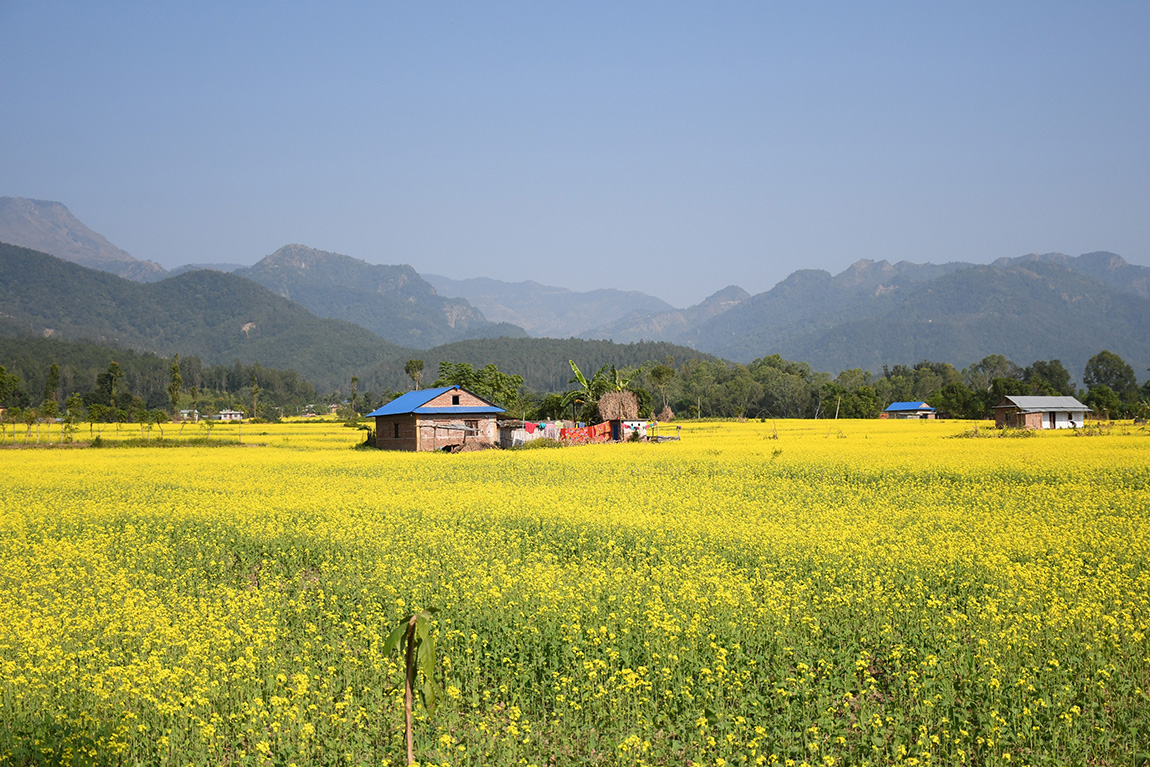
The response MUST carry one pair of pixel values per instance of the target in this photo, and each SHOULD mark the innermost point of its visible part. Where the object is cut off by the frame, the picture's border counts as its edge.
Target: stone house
(444, 418)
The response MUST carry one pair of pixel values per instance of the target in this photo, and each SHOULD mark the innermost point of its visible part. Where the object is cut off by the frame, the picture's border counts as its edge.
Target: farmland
(809, 592)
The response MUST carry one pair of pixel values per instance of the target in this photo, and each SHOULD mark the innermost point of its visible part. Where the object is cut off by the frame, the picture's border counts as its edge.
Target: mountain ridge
(392, 301)
(49, 227)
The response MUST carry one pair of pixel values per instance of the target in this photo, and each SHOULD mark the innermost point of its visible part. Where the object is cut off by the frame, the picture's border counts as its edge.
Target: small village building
(444, 418)
(907, 410)
(1033, 412)
(230, 415)
(189, 415)
(518, 433)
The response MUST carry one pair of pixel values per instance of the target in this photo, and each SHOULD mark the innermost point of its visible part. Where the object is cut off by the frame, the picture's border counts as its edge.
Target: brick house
(1024, 412)
(445, 418)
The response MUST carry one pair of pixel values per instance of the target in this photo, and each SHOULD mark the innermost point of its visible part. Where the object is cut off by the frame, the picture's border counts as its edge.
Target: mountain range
(1049, 306)
(50, 227)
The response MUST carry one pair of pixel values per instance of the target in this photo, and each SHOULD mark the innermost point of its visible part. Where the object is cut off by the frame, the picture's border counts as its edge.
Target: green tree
(661, 376)
(488, 382)
(981, 375)
(956, 400)
(175, 383)
(1049, 378)
(414, 370)
(73, 414)
(9, 387)
(1103, 401)
(97, 413)
(29, 416)
(255, 397)
(108, 384)
(49, 410)
(1108, 369)
(52, 385)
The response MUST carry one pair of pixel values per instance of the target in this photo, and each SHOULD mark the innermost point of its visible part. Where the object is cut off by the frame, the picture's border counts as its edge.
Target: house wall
(466, 399)
(1063, 419)
(1016, 419)
(385, 438)
(432, 435)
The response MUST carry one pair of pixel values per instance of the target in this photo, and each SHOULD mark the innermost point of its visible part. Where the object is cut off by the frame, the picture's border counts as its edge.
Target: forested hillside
(1024, 310)
(393, 302)
(215, 316)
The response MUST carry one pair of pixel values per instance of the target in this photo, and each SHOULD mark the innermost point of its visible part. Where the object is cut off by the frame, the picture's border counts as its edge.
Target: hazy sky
(667, 147)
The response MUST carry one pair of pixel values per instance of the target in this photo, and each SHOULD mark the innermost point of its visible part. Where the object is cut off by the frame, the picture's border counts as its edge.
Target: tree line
(137, 387)
(774, 387)
(101, 385)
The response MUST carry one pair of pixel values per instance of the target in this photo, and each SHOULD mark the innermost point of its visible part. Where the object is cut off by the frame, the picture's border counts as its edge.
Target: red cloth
(530, 427)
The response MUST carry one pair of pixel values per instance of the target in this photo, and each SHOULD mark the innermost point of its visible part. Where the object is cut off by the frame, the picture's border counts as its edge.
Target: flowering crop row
(858, 593)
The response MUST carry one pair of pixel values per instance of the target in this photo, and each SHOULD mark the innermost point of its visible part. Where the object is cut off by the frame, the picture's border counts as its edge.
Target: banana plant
(414, 639)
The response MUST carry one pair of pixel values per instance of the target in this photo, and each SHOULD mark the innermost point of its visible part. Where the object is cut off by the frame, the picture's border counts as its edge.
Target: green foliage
(103, 374)
(11, 395)
(543, 362)
(1049, 378)
(488, 382)
(175, 383)
(1108, 369)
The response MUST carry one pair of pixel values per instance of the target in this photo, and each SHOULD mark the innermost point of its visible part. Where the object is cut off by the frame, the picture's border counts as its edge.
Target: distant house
(445, 418)
(902, 410)
(230, 415)
(1025, 412)
(189, 415)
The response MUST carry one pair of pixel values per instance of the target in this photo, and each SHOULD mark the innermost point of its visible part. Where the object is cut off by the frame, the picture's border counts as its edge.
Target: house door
(1053, 420)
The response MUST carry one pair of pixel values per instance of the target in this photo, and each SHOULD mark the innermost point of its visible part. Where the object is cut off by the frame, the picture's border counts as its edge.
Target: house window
(473, 425)
(396, 425)
(454, 399)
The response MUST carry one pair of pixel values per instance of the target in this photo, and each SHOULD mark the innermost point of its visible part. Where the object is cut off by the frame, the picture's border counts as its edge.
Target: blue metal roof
(458, 409)
(413, 402)
(896, 407)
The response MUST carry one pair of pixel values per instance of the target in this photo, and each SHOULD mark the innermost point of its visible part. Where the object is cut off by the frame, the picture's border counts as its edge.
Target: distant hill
(393, 302)
(546, 310)
(230, 268)
(50, 227)
(543, 362)
(672, 324)
(1027, 310)
(215, 316)
(1108, 268)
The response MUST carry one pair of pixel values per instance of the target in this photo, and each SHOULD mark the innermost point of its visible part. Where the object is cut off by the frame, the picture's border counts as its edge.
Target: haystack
(619, 406)
(666, 414)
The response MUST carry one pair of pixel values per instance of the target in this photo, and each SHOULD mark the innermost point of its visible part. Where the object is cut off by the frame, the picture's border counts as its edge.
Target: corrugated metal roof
(460, 409)
(413, 402)
(900, 406)
(406, 403)
(1039, 404)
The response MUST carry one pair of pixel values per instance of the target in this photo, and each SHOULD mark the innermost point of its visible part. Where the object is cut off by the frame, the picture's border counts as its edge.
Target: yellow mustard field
(808, 592)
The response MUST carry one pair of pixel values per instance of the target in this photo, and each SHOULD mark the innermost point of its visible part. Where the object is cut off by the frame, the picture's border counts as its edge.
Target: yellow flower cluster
(809, 592)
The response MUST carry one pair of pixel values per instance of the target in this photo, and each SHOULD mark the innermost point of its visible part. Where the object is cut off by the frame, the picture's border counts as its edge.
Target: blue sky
(667, 147)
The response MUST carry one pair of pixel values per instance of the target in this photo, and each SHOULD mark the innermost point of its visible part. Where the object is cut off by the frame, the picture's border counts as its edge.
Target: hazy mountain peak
(392, 301)
(50, 227)
(729, 296)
